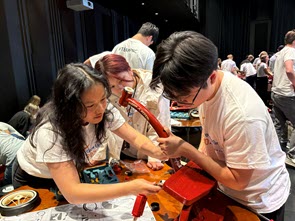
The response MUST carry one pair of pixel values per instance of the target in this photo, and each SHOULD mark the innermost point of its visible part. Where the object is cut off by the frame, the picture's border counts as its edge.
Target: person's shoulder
(125, 42)
(244, 64)
(46, 128)
(227, 61)
(145, 75)
(120, 44)
(142, 73)
(4, 126)
(147, 51)
(288, 50)
(94, 58)
(273, 57)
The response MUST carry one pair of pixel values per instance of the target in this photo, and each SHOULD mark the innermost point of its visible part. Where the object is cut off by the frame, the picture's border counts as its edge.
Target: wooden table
(210, 206)
(169, 207)
(192, 122)
(187, 125)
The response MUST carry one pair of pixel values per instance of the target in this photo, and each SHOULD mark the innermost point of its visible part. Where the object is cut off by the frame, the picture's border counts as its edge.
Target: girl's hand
(141, 186)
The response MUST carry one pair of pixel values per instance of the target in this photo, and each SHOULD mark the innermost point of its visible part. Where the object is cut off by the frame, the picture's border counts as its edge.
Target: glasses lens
(175, 99)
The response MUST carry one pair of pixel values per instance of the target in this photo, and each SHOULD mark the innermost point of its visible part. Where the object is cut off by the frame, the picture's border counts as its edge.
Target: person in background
(136, 49)
(93, 59)
(249, 58)
(239, 146)
(283, 94)
(69, 129)
(23, 120)
(10, 142)
(263, 74)
(120, 75)
(273, 58)
(219, 61)
(282, 129)
(229, 65)
(257, 59)
(35, 100)
(248, 69)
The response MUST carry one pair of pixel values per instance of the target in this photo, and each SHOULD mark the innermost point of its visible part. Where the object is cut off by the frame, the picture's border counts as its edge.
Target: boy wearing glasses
(239, 146)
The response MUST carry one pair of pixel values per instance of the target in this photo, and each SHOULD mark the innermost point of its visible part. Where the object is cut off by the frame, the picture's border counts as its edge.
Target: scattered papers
(119, 209)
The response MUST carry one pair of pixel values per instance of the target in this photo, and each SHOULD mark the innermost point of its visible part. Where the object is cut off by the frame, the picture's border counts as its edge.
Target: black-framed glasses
(188, 103)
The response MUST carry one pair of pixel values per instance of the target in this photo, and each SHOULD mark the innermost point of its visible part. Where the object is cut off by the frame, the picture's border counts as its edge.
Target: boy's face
(199, 95)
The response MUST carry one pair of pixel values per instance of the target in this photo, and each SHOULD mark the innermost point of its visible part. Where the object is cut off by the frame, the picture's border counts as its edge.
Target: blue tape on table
(179, 114)
(101, 174)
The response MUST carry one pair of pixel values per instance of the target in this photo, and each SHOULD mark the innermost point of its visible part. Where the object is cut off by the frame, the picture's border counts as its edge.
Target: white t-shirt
(248, 68)
(9, 144)
(281, 84)
(256, 62)
(93, 59)
(48, 150)
(137, 54)
(260, 70)
(239, 131)
(271, 62)
(228, 65)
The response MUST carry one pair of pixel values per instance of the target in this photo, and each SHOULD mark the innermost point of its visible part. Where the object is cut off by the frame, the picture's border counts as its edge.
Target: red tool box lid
(189, 184)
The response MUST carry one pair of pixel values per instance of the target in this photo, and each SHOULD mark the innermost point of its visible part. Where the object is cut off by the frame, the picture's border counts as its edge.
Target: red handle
(139, 205)
(126, 99)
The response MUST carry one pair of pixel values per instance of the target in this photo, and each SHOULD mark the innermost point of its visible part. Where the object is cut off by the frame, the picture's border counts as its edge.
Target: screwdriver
(139, 205)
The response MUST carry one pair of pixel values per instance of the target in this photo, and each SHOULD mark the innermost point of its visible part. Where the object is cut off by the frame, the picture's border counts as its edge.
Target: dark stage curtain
(228, 26)
(240, 28)
(283, 21)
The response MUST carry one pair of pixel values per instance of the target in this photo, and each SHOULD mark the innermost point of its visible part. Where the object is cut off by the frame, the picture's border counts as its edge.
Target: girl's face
(95, 101)
(121, 80)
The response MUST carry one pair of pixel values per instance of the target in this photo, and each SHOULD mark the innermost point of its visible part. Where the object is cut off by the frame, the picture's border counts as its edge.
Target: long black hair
(65, 110)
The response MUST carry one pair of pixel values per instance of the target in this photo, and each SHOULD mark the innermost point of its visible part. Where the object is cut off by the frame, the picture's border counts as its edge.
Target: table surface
(169, 207)
(192, 122)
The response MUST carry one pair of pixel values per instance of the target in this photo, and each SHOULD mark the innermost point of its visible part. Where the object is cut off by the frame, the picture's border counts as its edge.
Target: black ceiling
(170, 12)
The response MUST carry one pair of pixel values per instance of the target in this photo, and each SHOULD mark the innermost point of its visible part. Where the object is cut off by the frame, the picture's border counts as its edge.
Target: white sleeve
(5, 126)
(117, 119)
(49, 147)
(93, 59)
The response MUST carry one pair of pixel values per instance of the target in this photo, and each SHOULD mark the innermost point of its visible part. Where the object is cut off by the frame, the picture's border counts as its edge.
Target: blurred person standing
(263, 73)
(229, 65)
(248, 69)
(136, 49)
(273, 58)
(10, 142)
(283, 94)
(23, 120)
